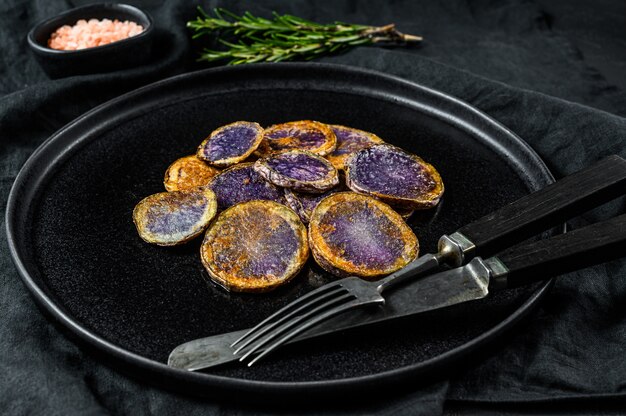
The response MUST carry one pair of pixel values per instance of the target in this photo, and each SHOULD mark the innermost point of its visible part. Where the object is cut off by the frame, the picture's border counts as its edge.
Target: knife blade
(523, 264)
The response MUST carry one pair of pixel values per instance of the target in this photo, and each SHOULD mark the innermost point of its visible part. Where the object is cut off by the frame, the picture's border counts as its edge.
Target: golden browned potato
(188, 172)
(308, 135)
(255, 246)
(358, 235)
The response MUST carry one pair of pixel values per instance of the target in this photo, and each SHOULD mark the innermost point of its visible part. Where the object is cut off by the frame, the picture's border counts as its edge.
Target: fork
(507, 226)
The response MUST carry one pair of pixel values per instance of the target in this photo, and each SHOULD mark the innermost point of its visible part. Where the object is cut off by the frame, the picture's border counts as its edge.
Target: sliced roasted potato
(299, 170)
(396, 177)
(231, 143)
(255, 246)
(171, 218)
(308, 135)
(188, 172)
(358, 235)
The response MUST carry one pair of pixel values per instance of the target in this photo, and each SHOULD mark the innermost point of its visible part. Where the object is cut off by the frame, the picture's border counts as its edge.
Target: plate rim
(262, 388)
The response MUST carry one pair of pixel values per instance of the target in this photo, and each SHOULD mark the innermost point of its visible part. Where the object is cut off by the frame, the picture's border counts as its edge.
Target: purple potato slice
(308, 135)
(172, 218)
(350, 141)
(396, 177)
(255, 246)
(358, 235)
(241, 183)
(299, 170)
(188, 172)
(231, 143)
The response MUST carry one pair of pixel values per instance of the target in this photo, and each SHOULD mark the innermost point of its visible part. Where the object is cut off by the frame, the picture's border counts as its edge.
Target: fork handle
(537, 260)
(546, 208)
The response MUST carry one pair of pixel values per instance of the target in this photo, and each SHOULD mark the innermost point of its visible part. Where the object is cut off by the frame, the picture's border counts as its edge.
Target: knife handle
(537, 260)
(546, 208)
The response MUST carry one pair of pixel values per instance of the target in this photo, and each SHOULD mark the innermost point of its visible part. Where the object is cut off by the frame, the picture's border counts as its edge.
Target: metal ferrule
(498, 273)
(490, 273)
(455, 249)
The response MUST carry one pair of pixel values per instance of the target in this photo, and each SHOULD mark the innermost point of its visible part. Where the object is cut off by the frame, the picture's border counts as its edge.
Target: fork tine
(286, 308)
(270, 325)
(289, 324)
(296, 331)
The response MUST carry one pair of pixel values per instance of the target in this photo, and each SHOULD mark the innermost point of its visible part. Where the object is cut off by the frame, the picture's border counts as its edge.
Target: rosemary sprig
(248, 38)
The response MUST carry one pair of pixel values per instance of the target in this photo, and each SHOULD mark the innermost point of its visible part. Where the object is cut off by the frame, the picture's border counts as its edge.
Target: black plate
(73, 241)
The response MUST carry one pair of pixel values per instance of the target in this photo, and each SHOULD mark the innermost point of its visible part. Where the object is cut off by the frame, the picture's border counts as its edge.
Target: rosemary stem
(247, 38)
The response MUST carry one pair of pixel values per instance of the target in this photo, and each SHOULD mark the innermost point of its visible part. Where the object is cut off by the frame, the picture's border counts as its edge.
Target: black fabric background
(552, 72)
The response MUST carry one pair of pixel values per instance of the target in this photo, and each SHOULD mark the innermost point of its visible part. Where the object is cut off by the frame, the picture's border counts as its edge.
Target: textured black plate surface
(73, 241)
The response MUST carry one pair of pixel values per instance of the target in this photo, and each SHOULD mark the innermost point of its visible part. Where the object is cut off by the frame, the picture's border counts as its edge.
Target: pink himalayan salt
(92, 33)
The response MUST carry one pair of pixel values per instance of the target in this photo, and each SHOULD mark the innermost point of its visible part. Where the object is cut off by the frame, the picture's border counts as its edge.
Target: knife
(515, 222)
(521, 265)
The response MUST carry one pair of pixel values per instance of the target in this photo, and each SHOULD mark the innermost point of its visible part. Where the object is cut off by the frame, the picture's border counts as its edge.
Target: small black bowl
(118, 55)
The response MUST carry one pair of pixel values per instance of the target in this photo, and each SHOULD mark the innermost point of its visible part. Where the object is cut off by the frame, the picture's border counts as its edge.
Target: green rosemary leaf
(308, 48)
(203, 13)
(345, 39)
(358, 42)
(219, 11)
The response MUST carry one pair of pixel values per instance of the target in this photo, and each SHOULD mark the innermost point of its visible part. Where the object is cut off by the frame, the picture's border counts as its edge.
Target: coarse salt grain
(92, 33)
